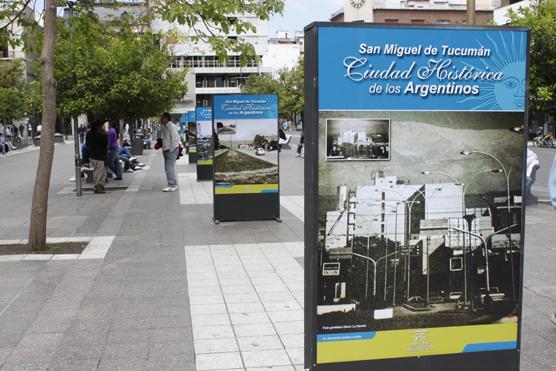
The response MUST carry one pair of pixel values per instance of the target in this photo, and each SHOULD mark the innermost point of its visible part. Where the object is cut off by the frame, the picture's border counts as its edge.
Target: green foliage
(113, 72)
(288, 85)
(15, 92)
(210, 22)
(541, 18)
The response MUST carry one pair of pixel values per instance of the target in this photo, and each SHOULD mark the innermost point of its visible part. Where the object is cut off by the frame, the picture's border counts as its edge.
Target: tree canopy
(288, 85)
(541, 17)
(17, 96)
(113, 73)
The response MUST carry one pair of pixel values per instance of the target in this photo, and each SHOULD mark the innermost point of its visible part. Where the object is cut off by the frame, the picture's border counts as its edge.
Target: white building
(501, 14)
(414, 11)
(206, 75)
(284, 51)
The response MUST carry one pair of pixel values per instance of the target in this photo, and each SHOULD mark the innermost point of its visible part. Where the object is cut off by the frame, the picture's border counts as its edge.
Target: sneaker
(169, 189)
(553, 318)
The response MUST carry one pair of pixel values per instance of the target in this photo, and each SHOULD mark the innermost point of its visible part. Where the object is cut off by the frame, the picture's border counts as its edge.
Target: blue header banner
(203, 114)
(183, 118)
(245, 107)
(426, 69)
(191, 116)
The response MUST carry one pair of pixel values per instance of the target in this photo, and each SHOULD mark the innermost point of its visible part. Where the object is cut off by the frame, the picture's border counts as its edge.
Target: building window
(391, 20)
(418, 21)
(456, 264)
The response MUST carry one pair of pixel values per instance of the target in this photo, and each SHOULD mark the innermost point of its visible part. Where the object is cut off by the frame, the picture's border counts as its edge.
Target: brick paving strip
(246, 305)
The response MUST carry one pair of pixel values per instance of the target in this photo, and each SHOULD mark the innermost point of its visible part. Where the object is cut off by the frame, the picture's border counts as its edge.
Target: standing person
(169, 134)
(2, 145)
(552, 189)
(300, 145)
(81, 131)
(114, 151)
(97, 143)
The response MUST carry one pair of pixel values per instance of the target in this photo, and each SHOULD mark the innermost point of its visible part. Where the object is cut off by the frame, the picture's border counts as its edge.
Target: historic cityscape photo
(357, 139)
(247, 152)
(430, 238)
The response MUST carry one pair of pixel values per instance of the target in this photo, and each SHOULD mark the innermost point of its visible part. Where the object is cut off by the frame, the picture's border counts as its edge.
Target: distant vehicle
(455, 295)
(415, 299)
(260, 152)
(494, 294)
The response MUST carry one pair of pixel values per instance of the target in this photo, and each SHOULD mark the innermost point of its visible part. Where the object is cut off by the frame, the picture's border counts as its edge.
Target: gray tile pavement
(139, 308)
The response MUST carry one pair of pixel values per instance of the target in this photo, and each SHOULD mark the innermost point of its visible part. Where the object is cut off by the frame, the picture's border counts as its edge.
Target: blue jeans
(170, 158)
(113, 163)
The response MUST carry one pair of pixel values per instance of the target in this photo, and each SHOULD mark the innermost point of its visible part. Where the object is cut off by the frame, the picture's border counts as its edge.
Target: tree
(288, 85)
(113, 72)
(39, 211)
(211, 20)
(541, 17)
(208, 20)
(12, 91)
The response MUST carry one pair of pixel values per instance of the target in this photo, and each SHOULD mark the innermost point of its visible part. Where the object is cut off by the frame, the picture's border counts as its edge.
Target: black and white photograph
(228, 128)
(358, 139)
(430, 238)
(249, 155)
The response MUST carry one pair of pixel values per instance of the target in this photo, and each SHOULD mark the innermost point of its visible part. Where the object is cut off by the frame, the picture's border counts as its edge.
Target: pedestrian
(2, 145)
(21, 130)
(113, 160)
(82, 131)
(169, 135)
(552, 189)
(300, 145)
(97, 144)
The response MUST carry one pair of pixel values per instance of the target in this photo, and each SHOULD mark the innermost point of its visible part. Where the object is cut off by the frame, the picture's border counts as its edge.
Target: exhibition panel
(246, 171)
(414, 184)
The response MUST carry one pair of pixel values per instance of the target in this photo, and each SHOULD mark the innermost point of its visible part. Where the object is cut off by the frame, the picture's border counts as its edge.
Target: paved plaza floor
(164, 288)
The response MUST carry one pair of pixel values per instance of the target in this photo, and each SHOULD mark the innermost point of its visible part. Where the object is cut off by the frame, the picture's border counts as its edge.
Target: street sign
(331, 269)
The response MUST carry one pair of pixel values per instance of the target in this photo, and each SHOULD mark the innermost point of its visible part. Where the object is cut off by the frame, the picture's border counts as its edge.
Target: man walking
(97, 143)
(170, 147)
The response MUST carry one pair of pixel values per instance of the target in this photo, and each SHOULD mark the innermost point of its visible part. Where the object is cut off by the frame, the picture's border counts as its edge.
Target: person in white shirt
(170, 148)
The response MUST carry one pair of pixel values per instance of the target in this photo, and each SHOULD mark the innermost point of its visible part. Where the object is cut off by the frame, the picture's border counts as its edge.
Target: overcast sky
(300, 13)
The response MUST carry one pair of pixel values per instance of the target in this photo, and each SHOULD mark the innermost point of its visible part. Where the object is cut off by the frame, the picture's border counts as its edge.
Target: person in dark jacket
(97, 145)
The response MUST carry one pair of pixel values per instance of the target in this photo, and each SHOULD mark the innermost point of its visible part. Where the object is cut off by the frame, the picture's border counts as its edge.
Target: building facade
(284, 51)
(206, 74)
(416, 11)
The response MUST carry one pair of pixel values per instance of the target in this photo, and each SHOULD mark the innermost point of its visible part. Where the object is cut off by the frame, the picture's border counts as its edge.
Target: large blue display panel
(246, 171)
(414, 178)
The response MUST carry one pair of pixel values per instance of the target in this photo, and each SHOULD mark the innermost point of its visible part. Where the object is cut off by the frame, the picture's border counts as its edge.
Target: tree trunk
(39, 209)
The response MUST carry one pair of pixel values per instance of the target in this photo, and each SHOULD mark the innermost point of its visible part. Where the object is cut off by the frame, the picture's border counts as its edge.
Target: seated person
(84, 154)
(130, 162)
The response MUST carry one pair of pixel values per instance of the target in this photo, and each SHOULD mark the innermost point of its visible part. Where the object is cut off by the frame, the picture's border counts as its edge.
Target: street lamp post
(507, 173)
(77, 158)
(485, 249)
(375, 263)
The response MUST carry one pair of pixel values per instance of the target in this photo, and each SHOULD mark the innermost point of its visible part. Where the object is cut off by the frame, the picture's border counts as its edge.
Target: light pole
(507, 173)
(375, 262)
(409, 206)
(463, 212)
(485, 249)
(77, 157)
